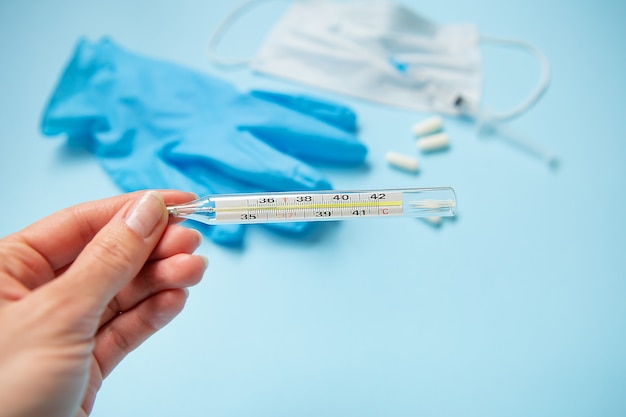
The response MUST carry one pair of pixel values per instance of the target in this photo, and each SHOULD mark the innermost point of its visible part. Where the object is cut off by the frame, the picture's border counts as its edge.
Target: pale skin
(81, 289)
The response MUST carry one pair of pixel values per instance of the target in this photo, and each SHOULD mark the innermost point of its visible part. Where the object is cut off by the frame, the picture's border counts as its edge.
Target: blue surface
(516, 308)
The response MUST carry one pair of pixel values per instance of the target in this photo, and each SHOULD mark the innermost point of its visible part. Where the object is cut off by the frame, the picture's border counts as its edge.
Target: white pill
(428, 126)
(434, 142)
(434, 220)
(404, 162)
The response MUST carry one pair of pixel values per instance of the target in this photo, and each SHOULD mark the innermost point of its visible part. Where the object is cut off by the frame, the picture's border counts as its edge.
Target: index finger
(60, 237)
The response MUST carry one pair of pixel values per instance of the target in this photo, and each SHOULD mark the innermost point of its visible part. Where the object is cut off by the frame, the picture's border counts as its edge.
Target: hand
(81, 289)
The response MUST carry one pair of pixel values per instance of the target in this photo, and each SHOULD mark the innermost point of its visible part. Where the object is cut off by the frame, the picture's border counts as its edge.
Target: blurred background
(514, 308)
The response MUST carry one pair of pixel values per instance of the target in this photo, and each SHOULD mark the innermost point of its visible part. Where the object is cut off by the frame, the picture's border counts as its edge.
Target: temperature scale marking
(275, 207)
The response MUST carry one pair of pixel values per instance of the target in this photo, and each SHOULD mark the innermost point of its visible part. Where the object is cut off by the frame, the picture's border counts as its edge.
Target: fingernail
(145, 215)
(205, 260)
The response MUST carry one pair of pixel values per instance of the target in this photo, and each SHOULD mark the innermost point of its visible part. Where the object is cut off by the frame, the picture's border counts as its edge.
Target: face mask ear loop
(493, 123)
(223, 27)
(539, 90)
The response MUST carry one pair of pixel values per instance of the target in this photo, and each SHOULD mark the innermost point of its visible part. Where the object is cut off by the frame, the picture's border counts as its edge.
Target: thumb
(117, 253)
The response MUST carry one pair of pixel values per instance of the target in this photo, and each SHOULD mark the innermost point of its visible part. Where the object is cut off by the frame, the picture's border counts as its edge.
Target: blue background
(516, 308)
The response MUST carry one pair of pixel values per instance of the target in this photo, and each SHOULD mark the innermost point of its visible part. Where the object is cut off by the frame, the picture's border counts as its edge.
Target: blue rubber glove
(154, 124)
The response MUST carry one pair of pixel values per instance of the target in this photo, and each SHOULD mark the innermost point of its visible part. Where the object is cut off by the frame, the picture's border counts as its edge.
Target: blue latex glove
(154, 124)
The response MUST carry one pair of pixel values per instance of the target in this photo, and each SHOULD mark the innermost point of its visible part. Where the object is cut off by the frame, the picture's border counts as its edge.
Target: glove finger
(251, 163)
(317, 144)
(71, 107)
(337, 115)
(298, 134)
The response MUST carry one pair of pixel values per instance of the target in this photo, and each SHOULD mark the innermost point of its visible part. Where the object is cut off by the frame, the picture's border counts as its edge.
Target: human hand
(81, 289)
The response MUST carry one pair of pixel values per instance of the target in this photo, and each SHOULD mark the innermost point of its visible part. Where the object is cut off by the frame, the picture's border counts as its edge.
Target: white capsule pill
(434, 142)
(428, 126)
(434, 220)
(403, 162)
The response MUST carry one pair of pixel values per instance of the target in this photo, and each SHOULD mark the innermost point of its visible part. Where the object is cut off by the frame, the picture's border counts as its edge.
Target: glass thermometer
(298, 206)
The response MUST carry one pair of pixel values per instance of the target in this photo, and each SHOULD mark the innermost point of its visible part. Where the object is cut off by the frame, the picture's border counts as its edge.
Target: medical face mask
(374, 50)
(380, 51)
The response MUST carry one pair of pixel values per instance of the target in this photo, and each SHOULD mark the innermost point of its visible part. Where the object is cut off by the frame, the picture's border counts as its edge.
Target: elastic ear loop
(223, 27)
(541, 87)
(492, 122)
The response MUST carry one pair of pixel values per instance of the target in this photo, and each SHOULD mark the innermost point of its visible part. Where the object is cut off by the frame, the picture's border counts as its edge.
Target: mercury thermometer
(298, 206)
